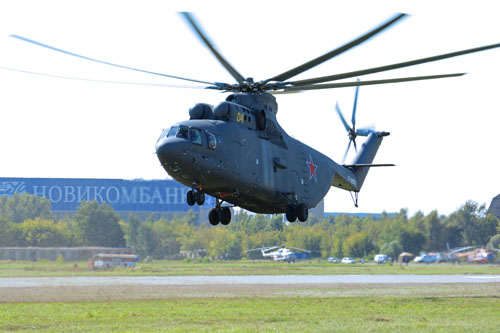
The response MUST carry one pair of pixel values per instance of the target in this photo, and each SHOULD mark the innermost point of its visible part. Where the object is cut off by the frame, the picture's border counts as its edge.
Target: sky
(443, 139)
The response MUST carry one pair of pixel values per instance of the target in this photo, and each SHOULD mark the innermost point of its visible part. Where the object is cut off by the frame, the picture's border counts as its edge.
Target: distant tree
(224, 244)
(276, 223)
(475, 225)
(392, 249)
(44, 233)
(8, 233)
(494, 242)
(433, 230)
(358, 245)
(412, 240)
(147, 242)
(19, 208)
(99, 225)
(451, 234)
(257, 223)
(131, 230)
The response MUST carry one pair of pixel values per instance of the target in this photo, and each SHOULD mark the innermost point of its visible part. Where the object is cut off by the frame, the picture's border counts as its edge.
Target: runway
(82, 281)
(127, 288)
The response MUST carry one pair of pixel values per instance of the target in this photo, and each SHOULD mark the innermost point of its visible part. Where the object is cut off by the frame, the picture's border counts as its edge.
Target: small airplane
(279, 253)
(237, 151)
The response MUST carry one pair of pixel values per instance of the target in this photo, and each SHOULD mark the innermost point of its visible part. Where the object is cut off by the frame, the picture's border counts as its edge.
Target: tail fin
(362, 162)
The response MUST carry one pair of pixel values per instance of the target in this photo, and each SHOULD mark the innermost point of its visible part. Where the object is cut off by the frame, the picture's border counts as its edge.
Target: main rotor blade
(327, 56)
(189, 18)
(391, 67)
(101, 81)
(367, 83)
(105, 62)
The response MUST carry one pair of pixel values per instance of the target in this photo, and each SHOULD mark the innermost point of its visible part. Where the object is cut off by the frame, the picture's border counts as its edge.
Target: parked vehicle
(381, 258)
(347, 260)
(334, 260)
(425, 258)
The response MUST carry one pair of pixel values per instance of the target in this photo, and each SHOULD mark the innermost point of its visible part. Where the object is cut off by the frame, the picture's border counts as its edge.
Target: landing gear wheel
(199, 197)
(302, 212)
(213, 216)
(190, 198)
(225, 215)
(291, 216)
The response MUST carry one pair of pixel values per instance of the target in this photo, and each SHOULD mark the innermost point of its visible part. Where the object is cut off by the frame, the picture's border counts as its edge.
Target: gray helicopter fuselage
(228, 155)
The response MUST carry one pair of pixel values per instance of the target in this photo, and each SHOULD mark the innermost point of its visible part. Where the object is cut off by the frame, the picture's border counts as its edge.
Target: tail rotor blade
(346, 125)
(355, 106)
(346, 151)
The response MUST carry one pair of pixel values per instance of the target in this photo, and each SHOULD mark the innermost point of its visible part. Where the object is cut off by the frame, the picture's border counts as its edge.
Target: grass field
(298, 314)
(177, 268)
(233, 308)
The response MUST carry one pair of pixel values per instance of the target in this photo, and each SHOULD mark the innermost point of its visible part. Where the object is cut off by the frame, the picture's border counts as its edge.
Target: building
(53, 253)
(495, 206)
(141, 197)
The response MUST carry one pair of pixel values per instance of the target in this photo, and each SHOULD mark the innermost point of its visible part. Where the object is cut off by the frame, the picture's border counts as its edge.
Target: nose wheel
(194, 196)
(219, 214)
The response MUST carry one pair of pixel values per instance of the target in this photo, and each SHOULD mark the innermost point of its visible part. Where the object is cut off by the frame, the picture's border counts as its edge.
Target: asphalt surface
(141, 288)
(247, 280)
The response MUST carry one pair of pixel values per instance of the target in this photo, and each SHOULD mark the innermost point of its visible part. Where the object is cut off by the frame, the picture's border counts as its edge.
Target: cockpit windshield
(178, 131)
(184, 132)
(172, 131)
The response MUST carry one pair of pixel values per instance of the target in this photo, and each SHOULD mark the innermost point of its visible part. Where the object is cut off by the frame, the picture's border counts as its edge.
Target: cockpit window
(172, 131)
(195, 135)
(163, 134)
(182, 132)
(212, 141)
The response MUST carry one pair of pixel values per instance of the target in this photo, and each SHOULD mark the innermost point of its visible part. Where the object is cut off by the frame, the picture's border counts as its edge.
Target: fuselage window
(212, 141)
(195, 136)
(182, 132)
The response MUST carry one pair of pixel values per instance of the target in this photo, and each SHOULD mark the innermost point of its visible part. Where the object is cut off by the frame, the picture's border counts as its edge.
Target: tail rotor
(352, 132)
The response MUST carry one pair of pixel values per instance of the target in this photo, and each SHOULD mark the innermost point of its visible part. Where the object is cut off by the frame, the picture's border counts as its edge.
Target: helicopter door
(280, 172)
(266, 164)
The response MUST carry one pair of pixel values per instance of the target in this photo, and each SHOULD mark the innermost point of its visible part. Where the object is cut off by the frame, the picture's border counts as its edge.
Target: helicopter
(237, 151)
(280, 253)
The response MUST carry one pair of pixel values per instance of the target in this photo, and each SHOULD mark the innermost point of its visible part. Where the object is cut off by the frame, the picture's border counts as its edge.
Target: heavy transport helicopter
(238, 153)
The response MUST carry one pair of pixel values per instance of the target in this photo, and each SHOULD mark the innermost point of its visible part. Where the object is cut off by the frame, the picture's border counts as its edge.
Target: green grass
(245, 314)
(177, 268)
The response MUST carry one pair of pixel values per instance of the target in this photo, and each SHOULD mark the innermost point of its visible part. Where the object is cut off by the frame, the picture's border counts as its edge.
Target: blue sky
(443, 132)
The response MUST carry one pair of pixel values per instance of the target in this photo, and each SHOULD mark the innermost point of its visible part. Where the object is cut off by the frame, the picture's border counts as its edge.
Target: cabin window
(195, 136)
(212, 141)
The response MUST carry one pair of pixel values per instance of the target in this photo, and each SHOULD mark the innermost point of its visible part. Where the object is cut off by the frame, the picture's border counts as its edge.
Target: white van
(381, 258)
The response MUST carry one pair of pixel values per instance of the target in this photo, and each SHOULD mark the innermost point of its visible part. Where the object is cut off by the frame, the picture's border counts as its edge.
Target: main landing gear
(219, 214)
(299, 211)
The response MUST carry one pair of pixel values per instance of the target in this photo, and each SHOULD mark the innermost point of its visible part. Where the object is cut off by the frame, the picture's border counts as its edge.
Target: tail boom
(351, 177)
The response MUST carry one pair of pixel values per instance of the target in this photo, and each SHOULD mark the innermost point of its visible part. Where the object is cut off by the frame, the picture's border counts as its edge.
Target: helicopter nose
(170, 152)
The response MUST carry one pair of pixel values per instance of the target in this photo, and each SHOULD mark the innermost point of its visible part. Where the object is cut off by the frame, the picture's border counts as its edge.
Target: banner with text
(66, 194)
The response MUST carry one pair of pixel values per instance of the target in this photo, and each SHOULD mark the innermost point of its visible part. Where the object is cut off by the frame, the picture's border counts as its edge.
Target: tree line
(27, 220)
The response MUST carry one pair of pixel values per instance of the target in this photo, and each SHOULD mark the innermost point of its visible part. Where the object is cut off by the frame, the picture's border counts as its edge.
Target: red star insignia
(312, 168)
